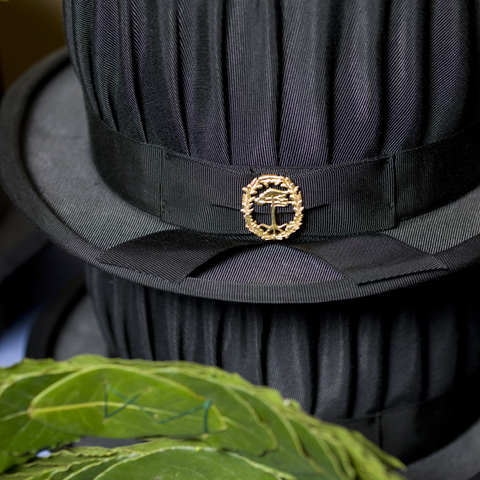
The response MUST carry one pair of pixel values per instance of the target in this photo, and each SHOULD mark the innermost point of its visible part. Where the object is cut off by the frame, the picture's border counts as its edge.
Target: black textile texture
(344, 199)
(341, 360)
(362, 259)
(279, 82)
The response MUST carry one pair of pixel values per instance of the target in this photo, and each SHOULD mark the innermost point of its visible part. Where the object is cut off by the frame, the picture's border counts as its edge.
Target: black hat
(177, 135)
(352, 126)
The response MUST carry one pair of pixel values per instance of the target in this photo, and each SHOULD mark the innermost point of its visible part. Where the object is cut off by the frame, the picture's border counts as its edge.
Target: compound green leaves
(214, 425)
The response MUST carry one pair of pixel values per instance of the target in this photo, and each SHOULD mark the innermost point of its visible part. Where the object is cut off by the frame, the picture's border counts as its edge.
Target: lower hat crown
(401, 367)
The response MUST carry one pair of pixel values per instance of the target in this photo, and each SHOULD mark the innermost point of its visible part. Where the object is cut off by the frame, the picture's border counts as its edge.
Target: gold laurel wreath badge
(276, 198)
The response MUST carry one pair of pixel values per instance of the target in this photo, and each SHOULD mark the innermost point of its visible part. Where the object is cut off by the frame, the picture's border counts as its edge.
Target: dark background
(29, 29)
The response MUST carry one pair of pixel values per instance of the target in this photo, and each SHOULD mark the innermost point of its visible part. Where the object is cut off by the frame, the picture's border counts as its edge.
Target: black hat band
(339, 200)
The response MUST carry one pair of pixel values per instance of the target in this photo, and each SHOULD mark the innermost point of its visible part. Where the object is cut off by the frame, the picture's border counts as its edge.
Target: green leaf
(49, 472)
(27, 365)
(358, 457)
(319, 449)
(7, 461)
(64, 456)
(388, 459)
(59, 463)
(20, 436)
(92, 470)
(365, 459)
(121, 402)
(290, 456)
(245, 431)
(160, 444)
(186, 463)
(207, 371)
(173, 458)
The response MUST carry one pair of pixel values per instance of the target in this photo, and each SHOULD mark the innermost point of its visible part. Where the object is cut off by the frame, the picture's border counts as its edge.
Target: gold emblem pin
(278, 192)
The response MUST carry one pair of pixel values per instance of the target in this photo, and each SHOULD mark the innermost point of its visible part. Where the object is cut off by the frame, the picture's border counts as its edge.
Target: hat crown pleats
(285, 82)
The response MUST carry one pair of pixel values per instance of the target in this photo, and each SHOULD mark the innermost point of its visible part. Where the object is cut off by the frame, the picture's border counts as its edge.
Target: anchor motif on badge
(278, 192)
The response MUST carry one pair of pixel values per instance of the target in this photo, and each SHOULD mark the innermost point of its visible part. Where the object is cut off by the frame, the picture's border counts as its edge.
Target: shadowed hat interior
(287, 189)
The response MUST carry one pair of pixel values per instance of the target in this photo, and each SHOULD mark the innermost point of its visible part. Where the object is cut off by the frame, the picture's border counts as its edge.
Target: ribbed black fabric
(345, 199)
(341, 360)
(279, 82)
(174, 255)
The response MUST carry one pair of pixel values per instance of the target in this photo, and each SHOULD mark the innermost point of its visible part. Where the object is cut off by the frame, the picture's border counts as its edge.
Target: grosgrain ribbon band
(362, 259)
(339, 200)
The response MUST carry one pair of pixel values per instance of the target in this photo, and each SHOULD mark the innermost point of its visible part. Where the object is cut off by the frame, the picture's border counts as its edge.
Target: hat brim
(48, 171)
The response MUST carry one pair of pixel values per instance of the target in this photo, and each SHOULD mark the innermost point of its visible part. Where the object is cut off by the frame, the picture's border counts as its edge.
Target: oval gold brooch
(278, 192)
